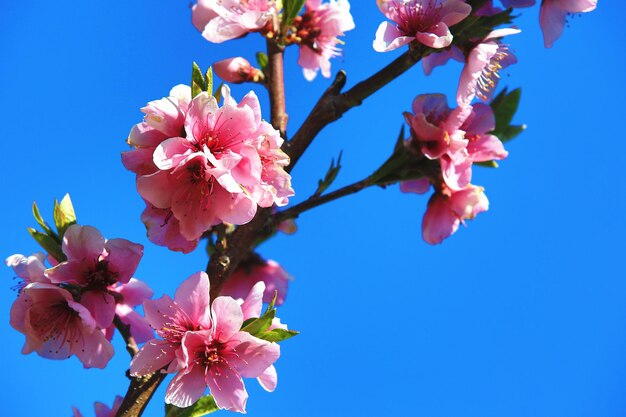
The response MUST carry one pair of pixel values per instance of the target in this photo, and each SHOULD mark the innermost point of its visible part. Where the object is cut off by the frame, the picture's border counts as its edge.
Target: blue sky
(522, 313)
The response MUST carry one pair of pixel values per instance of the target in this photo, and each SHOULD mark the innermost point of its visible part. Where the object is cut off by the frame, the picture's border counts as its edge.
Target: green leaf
(218, 92)
(64, 215)
(49, 244)
(209, 81)
(205, 405)
(487, 164)
(504, 107)
(41, 221)
(330, 176)
(277, 335)
(262, 60)
(260, 325)
(291, 9)
(198, 81)
(511, 132)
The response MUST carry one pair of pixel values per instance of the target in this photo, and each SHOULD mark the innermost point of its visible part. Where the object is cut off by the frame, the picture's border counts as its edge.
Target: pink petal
(250, 355)
(73, 271)
(159, 312)
(139, 327)
(253, 304)
(95, 351)
(123, 258)
(101, 305)
(82, 242)
(154, 355)
(186, 388)
(227, 318)
(268, 379)
(226, 387)
(156, 188)
(389, 37)
(139, 161)
(192, 296)
(552, 20)
(135, 292)
(438, 36)
(454, 11)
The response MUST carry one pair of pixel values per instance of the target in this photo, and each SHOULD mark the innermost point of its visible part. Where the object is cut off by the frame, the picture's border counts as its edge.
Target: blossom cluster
(316, 31)
(69, 308)
(204, 345)
(199, 165)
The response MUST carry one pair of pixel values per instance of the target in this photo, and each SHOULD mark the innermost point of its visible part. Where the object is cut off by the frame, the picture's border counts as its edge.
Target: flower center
(416, 15)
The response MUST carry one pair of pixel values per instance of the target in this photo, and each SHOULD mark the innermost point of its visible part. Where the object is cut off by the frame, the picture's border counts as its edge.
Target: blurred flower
(222, 20)
(242, 280)
(237, 70)
(317, 31)
(553, 15)
(426, 21)
(102, 410)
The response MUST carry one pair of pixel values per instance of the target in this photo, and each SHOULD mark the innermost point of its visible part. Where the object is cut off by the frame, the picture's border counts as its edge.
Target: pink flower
(164, 229)
(481, 72)
(189, 311)
(222, 20)
(228, 162)
(102, 410)
(317, 31)
(164, 118)
(29, 268)
(95, 264)
(57, 327)
(481, 147)
(553, 15)
(447, 209)
(426, 21)
(237, 70)
(247, 275)
(219, 358)
(435, 128)
(128, 296)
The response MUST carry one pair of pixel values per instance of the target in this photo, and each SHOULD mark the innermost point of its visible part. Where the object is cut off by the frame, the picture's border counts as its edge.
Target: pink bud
(236, 70)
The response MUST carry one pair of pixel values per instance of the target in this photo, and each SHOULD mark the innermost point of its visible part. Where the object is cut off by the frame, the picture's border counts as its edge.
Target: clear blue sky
(523, 313)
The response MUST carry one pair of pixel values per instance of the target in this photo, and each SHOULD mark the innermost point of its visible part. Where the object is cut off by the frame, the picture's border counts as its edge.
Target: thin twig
(124, 329)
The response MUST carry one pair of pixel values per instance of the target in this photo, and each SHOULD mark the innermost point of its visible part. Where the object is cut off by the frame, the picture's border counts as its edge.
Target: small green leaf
(205, 405)
(41, 221)
(257, 326)
(291, 9)
(198, 81)
(504, 107)
(209, 81)
(511, 132)
(331, 175)
(277, 335)
(262, 60)
(487, 164)
(64, 215)
(218, 92)
(48, 244)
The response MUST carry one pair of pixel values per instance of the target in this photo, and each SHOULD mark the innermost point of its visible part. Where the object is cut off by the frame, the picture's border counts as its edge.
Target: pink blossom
(426, 21)
(228, 162)
(447, 209)
(317, 31)
(553, 15)
(219, 358)
(128, 296)
(164, 229)
(481, 71)
(189, 311)
(435, 128)
(222, 20)
(102, 410)
(237, 70)
(95, 264)
(164, 118)
(431, 61)
(275, 278)
(57, 327)
(29, 268)
(481, 147)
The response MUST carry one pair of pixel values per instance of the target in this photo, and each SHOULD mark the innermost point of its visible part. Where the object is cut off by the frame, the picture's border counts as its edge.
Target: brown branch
(333, 103)
(139, 393)
(276, 87)
(124, 329)
(315, 201)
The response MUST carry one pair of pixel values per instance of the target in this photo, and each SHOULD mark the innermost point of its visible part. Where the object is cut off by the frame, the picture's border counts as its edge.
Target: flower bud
(237, 70)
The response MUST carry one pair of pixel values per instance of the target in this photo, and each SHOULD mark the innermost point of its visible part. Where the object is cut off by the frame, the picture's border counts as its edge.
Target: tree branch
(139, 393)
(333, 104)
(276, 87)
(131, 345)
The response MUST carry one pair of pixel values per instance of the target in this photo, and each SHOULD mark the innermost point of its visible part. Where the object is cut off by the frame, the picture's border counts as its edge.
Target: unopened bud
(237, 70)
